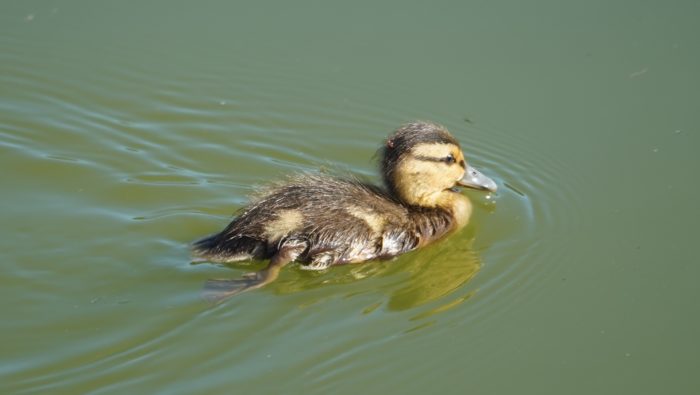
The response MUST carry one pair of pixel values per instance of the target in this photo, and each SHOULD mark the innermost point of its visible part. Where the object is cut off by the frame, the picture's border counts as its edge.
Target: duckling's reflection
(409, 281)
(434, 274)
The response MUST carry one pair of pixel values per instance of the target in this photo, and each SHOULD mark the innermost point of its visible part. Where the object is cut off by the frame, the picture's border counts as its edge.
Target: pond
(130, 129)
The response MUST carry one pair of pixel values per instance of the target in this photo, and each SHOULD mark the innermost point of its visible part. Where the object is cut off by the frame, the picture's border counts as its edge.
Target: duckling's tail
(206, 245)
(207, 249)
(219, 248)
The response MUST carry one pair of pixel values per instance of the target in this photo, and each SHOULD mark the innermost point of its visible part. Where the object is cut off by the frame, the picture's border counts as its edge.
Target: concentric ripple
(533, 212)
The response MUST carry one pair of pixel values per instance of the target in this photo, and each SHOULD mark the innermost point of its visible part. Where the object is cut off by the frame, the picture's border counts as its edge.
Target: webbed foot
(218, 290)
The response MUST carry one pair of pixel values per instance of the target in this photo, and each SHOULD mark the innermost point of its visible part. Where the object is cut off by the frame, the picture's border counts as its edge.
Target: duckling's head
(422, 164)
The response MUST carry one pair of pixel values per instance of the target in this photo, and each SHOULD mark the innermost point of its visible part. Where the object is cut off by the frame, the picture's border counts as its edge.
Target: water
(127, 130)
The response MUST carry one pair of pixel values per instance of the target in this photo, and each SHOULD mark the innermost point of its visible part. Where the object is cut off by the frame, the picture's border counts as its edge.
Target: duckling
(322, 221)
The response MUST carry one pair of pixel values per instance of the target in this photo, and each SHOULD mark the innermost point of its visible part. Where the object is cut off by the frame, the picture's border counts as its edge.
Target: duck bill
(475, 180)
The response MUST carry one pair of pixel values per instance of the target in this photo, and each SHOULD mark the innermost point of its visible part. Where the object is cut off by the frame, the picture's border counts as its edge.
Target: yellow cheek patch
(287, 222)
(423, 176)
(417, 166)
(419, 172)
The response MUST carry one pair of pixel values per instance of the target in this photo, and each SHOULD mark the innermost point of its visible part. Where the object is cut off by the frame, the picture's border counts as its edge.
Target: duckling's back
(335, 220)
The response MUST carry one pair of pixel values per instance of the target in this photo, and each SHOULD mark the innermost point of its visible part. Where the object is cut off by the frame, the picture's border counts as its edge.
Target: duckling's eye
(449, 159)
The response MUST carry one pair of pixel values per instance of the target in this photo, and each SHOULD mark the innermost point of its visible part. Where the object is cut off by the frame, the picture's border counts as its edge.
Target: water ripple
(156, 163)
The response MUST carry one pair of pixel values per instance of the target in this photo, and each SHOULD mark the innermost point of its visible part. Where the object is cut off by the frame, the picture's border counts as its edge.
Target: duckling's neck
(433, 223)
(451, 211)
(416, 192)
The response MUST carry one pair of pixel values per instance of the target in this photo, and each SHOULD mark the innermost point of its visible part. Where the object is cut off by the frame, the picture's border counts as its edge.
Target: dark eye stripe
(445, 159)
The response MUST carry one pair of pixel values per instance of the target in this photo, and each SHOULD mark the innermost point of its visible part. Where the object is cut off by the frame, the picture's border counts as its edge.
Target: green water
(129, 129)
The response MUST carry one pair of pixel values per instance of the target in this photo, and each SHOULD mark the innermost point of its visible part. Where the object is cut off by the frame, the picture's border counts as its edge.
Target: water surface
(128, 130)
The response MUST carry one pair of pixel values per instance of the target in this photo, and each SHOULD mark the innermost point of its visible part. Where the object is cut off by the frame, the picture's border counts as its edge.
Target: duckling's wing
(350, 221)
